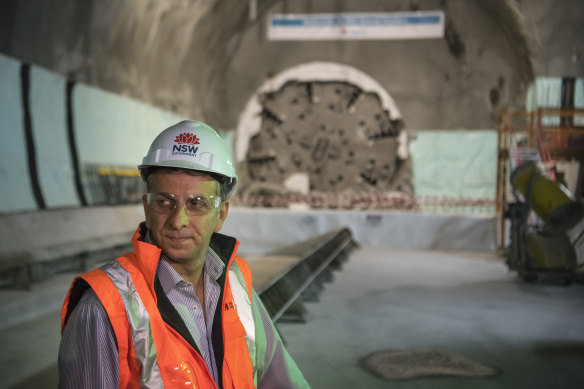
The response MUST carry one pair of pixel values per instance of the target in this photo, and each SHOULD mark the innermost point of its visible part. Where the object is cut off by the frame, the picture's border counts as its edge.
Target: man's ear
(223, 211)
(145, 205)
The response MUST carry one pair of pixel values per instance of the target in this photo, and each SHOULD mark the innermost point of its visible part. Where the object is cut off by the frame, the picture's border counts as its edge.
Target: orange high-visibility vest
(152, 354)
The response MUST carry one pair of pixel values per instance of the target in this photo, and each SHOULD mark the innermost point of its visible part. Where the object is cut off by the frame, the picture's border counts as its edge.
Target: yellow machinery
(547, 221)
(541, 244)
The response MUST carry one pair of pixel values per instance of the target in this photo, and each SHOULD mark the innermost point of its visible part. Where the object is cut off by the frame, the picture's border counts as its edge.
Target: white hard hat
(192, 145)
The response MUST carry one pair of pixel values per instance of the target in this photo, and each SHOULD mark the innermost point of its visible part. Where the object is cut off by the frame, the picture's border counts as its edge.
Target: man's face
(183, 238)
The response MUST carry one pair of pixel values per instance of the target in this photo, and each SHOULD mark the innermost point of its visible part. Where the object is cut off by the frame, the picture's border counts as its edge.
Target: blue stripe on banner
(287, 22)
(337, 21)
(424, 20)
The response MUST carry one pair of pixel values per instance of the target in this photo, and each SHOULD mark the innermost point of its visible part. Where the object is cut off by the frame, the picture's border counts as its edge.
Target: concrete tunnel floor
(463, 303)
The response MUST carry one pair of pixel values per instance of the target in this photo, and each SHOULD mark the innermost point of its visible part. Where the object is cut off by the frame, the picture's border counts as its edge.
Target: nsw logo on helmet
(186, 144)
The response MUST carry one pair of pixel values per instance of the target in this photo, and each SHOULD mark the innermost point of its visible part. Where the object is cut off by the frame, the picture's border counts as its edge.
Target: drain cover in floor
(417, 363)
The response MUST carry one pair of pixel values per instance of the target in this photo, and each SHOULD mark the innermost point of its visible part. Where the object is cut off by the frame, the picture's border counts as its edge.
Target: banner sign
(356, 26)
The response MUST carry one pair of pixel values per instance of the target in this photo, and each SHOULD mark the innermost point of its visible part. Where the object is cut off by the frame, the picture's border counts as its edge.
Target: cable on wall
(72, 143)
(29, 136)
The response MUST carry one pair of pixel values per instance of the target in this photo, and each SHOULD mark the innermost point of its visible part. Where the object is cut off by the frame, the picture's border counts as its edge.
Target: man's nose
(178, 218)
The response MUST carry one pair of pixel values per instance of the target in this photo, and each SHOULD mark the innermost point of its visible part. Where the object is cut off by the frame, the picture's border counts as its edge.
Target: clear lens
(195, 205)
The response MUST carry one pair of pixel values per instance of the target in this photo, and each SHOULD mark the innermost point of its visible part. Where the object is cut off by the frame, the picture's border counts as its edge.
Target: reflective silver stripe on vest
(243, 305)
(139, 322)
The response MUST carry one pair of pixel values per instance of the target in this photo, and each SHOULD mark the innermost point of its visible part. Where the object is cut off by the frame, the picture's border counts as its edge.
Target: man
(179, 311)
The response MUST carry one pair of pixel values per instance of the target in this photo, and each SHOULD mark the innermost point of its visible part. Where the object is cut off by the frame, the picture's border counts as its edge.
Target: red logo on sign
(187, 138)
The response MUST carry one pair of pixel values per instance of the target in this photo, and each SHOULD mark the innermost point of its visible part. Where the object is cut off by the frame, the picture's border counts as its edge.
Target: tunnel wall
(173, 56)
(111, 134)
(65, 144)
(266, 230)
(17, 194)
(205, 58)
(455, 163)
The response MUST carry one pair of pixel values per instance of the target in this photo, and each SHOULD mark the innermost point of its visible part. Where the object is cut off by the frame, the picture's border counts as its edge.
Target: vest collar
(147, 253)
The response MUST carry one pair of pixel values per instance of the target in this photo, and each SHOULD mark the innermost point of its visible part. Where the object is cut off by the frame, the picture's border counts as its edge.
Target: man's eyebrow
(166, 194)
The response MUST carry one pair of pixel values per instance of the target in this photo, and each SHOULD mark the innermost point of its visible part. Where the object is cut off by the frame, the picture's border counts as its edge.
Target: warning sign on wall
(357, 26)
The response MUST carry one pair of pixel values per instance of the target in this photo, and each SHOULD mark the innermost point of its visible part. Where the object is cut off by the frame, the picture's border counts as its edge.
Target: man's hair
(223, 182)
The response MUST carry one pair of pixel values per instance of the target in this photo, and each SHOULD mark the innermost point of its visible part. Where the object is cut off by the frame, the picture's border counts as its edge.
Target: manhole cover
(416, 363)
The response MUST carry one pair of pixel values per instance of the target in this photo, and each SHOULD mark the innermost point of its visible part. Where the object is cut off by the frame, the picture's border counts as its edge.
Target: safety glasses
(196, 205)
